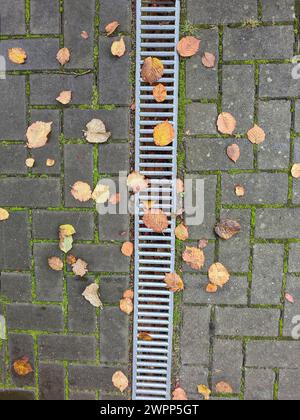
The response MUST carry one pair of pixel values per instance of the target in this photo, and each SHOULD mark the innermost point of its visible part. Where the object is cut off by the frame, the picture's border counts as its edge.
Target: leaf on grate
(137, 182)
(81, 191)
(22, 367)
(111, 27)
(4, 215)
(91, 295)
(80, 268)
(120, 381)
(127, 249)
(194, 257)
(17, 55)
(233, 152)
(152, 70)
(188, 46)
(37, 134)
(227, 228)
(182, 232)
(156, 220)
(224, 388)
(163, 134)
(65, 97)
(174, 282)
(101, 193)
(256, 135)
(179, 394)
(296, 171)
(55, 263)
(63, 56)
(160, 93)
(208, 60)
(218, 274)
(226, 123)
(118, 48)
(126, 306)
(204, 391)
(143, 336)
(96, 132)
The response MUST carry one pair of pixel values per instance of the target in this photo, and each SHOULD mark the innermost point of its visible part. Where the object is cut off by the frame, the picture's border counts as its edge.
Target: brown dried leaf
(203, 243)
(160, 93)
(218, 274)
(111, 27)
(194, 257)
(240, 190)
(152, 70)
(55, 263)
(211, 288)
(156, 220)
(224, 388)
(80, 268)
(118, 48)
(91, 295)
(188, 46)
(163, 134)
(128, 294)
(120, 381)
(17, 55)
(208, 60)
(179, 394)
(204, 391)
(227, 228)
(137, 182)
(29, 162)
(71, 259)
(65, 97)
(126, 306)
(226, 123)
(143, 336)
(296, 171)
(37, 134)
(81, 191)
(174, 282)
(127, 249)
(4, 215)
(182, 232)
(22, 367)
(233, 152)
(63, 56)
(256, 135)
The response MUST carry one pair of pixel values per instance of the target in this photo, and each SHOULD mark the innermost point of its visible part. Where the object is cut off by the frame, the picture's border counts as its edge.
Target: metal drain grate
(157, 36)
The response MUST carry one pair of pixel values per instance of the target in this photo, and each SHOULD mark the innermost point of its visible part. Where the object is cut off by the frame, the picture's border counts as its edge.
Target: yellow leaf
(174, 282)
(218, 274)
(296, 170)
(17, 55)
(4, 215)
(118, 48)
(66, 230)
(194, 257)
(50, 163)
(164, 134)
(203, 390)
(81, 191)
(126, 305)
(101, 194)
(182, 232)
(29, 162)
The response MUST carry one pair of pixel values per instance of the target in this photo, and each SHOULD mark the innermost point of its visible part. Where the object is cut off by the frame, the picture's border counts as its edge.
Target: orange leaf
(224, 388)
(296, 170)
(111, 27)
(179, 394)
(17, 55)
(208, 60)
(179, 186)
(128, 294)
(65, 97)
(164, 134)
(126, 305)
(63, 56)
(127, 249)
(182, 232)
(227, 228)
(152, 70)
(233, 152)
(174, 282)
(160, 93)
(203, 390)
(218, 274)
(120, 381)
(156, 220)
(118, 48)
(81, 191)
(226, 123)
(143, 336)
(256, 135)
(211, 288)
(188, 46)
(56, 263)
(240, 190)
(71, 259)
(194, 257)
(37, 134)
(22, 367)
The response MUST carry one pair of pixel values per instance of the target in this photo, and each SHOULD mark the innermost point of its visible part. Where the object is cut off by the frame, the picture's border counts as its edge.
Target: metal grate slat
(157, 36)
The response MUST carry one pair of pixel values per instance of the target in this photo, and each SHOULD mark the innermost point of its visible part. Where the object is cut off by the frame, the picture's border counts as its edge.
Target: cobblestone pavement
(243, 334)
(74, 350)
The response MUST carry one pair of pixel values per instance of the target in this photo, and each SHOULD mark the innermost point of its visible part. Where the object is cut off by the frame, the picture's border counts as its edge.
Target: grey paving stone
(116, 121)
(31, 193)
(13, 108)
(52, 149)
(44, 89)
(191, 377)
(114, 227)
(296, 184)
(12, 18)
(247, 322)
(76, 11)
(210, 154)
(44, 17)
(51, 382)
(16, 395)
(209, 253)
(235, 293)
(81, 314)
(274, 153)
(119, 10)
(112, 288)
(228, 363)
(79, 164)
(292, 311)
(103, 258)
(275, 10)
(49, 283)
(21, 345)
(66, 347)
(46, 223)
(108, 397)
(296, 191)
(236, 252)
(245, 43)
(259, 385)
(226, 11)
(289, 385)
(14, 234)
(114, 157)
(203, 228)
(114, 335)
(297, 128)
(41, 53)
(82, 396)
(114, 83)
(267, 276)
(257, 186)
(202, 82)
(12, 160)
(238, 94)
(277, 223)
(273, 354)
(34, 317)
(16, 286)
(201, 119)
(195, 335)
(294, 258)
(276, 80)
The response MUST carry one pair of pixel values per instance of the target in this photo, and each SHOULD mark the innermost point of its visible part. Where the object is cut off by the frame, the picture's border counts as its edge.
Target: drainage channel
(157, 36)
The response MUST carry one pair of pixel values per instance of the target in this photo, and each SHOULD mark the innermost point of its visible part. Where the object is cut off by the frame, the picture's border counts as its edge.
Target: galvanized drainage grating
(157, 36)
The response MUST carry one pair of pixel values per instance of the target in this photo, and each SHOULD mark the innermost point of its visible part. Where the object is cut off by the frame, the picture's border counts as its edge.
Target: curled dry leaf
(188, 46)
(81, 191)
(22, 367)
(37, 134)
(156, 220)
(120, 381)
(160, 93)
(226, 123)
(296, 171)
(164, 134)
(211, 288)
(118, 48)
(30, 162)
(289, 298)
(224, 388)
(115, 199)
(4, 215)
(182, 232)
(84, 35)
(240, 190)
(126, 306)
(203, 243)
(17, 55)
(91, 295)
(96, 132)
(128, 294)
(55, 263)
(63, 56)
(194, 257)
(179, 394)
(50, 163)
(80, 268)
(233, 152)
(204, 391)
(256, 135)
(218, 274)
(101, 193)
(137, 182)
(208, 60)
(143, 336)
(227, 228)
(127, 249)
(174, 282)
(111, 27)
(152, 70)
(65, 97)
